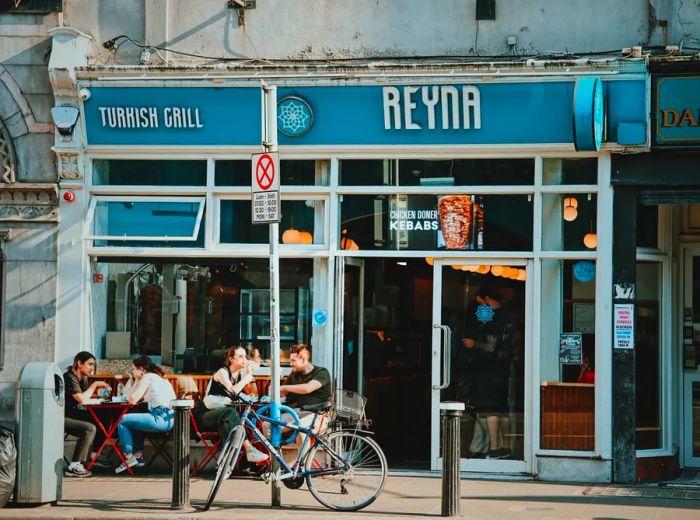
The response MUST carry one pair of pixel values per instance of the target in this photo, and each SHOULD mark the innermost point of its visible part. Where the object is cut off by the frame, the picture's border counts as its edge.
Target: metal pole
(451, 413)
(270, 145)
(181, 454)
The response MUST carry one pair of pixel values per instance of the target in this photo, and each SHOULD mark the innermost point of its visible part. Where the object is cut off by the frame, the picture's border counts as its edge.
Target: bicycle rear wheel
(357, 474)
(230, 451)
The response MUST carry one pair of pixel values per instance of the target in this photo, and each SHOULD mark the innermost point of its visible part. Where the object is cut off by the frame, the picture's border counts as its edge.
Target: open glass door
(479, 358)
(352, 324)
(691, 361)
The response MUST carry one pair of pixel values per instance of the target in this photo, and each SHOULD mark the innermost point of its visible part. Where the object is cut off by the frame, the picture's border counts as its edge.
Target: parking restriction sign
(265, 185)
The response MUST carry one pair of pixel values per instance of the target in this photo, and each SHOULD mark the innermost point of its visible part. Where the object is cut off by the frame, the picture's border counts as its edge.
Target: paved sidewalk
(109, 497)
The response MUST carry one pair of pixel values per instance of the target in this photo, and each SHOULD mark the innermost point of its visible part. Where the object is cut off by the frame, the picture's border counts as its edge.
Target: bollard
(451, 413)
(181, 454)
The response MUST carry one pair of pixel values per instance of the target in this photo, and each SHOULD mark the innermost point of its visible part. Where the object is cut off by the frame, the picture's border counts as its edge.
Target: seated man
(306, 385)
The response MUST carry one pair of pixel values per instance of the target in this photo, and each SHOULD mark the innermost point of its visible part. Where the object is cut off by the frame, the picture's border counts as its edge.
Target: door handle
(446, 356)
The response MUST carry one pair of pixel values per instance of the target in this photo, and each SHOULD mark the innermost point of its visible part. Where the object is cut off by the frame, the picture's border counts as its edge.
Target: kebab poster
(461, 222)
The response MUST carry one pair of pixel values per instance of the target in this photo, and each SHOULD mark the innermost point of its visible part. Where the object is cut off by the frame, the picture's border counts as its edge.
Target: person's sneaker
(140, 462)
(500, 453)
(256, 456)
(130, 463)
(76, 470)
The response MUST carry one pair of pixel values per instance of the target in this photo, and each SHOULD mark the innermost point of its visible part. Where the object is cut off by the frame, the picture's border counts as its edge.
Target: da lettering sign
(677, 111)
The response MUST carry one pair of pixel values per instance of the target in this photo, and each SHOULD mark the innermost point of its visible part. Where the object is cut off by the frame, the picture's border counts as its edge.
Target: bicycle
(344, 469)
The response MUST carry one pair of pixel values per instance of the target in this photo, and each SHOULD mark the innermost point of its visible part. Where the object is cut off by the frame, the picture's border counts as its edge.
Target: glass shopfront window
(293, 173)
(146, 221)
(302, 223)
(436, 222)
(570, 171)
(195, 310)
(449, 172)
(569, 222)
(567, 355)
(139, 172)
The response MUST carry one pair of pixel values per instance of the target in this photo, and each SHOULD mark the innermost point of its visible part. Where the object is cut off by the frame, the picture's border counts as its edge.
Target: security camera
(84, 94)
(65, 119)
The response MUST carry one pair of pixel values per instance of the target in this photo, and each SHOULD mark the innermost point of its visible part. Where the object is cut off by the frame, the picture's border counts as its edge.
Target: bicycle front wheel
(353, 475)
(227, 463)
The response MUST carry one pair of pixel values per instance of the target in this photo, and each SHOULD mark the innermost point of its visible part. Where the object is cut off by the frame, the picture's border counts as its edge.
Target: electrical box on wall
(485, 9)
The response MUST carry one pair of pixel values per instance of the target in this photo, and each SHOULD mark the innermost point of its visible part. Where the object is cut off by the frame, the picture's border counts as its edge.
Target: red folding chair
(210, 441)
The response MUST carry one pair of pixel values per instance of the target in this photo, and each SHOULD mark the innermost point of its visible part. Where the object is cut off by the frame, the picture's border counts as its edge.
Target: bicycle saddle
(316, 408)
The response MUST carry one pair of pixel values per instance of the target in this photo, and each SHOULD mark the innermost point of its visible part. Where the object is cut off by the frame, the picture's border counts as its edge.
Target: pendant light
(590, 239)
(570, 208)
(291, 236)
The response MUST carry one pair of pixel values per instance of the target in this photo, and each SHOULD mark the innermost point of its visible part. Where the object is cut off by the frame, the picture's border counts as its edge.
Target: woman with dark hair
(213, 414)
(152, 387)
(77, 420)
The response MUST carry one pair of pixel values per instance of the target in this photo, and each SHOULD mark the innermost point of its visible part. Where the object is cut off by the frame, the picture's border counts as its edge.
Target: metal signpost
(265, 183)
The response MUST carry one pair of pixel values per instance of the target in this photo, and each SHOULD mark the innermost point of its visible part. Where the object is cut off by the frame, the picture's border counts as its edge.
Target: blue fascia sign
(677, 111)
(505, 113)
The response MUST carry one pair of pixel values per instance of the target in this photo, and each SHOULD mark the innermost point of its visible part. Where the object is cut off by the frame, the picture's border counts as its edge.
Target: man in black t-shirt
(307, 384)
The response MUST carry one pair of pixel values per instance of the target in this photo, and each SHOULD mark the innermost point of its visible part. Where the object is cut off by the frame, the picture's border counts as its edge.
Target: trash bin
(39, 411)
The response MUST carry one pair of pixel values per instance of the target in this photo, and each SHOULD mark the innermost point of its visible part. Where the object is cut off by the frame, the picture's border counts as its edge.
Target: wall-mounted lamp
(65, 119)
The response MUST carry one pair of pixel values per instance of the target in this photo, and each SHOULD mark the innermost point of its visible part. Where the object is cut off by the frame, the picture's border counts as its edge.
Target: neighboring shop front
(657, 272)
(443, 236)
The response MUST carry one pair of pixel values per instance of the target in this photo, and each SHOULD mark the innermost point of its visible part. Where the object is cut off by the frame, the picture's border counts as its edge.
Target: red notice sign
(265, 185)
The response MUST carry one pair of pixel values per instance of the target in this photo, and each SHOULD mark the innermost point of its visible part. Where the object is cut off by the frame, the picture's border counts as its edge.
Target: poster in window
(570, 348)
(584, 317)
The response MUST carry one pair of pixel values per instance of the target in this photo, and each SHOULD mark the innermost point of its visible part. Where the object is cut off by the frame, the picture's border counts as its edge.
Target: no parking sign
(265, 185)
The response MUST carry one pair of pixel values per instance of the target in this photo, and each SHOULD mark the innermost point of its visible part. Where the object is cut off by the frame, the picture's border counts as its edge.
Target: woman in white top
(158, 393)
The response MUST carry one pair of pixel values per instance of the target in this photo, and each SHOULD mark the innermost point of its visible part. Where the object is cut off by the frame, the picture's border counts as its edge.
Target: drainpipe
(4, 236)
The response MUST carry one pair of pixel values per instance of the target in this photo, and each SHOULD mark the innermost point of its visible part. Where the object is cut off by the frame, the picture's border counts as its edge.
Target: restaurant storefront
(657, 269)
(443, 236)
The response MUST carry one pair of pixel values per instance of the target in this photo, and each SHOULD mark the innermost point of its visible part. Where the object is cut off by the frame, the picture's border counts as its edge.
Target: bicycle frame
(296, 470)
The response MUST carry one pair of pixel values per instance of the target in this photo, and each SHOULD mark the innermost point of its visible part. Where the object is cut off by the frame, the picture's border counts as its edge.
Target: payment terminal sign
(265, 185)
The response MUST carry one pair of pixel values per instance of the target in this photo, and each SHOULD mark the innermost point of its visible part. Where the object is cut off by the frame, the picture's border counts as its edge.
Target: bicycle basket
(349, 406)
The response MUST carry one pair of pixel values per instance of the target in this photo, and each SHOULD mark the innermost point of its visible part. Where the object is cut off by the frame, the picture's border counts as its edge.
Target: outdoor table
(122, 408)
